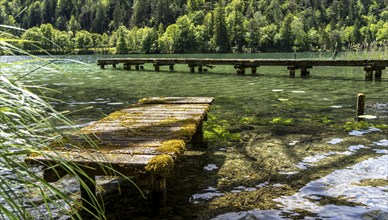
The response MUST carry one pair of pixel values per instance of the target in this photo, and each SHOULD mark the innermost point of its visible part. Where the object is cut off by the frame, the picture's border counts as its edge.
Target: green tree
(99, 22)
(35, 14)
(83, 40)
(220, 38)
(141, 12)
(32, 38)
(122, 42)
(166, 41)
(62, 41)
(47, 31)
(285, 37)
(73, 24)
(185, 40)
(235, 25)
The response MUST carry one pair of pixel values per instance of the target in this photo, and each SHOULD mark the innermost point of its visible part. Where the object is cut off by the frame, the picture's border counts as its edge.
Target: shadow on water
(123, 201)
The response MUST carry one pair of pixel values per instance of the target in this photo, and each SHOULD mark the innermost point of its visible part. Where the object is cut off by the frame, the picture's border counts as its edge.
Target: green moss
(160, 100)
(172, 146)
(348, 126)
(161, 164)
(373, 182)
(284, 121)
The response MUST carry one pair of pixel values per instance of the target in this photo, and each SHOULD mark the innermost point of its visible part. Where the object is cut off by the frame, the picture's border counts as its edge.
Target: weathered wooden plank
(168, 107)
(105, 137)
(140, 126)
(177, 100)
(91, 158)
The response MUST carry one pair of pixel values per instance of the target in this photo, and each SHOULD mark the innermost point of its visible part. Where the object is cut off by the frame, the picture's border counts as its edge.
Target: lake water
(273, 132)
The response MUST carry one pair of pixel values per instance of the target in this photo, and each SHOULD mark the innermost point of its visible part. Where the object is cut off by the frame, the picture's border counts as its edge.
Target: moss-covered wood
(145, 137)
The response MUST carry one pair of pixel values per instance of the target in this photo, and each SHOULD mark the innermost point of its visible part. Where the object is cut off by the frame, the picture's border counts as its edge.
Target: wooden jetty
(370, 66)
(145, 138)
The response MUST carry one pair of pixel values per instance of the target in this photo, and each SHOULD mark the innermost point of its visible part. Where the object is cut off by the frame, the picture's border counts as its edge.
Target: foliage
(207, 26)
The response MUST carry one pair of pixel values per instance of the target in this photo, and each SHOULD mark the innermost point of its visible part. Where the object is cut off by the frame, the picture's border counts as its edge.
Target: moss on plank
(161, 165)
(172, 146)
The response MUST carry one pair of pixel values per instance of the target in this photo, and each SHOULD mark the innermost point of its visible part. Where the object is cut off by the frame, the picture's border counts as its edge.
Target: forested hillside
(181, 26)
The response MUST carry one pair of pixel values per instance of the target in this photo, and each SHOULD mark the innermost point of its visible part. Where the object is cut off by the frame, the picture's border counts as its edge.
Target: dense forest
(189, 26)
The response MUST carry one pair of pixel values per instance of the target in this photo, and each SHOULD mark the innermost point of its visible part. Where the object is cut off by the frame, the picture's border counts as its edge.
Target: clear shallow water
(90, 93)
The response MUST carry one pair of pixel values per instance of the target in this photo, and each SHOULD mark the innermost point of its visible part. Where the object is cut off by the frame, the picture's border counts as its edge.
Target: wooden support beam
(304, 72)
(192, 70)
(88, 191)
(127, 66)
(200, 68)
(137, 67)
(157, 67)
(254, 70)
(241, 71)
(102, 66)
(197, 139)
(171, 67)
(114, 65)
(368, 73)
(158, 191)
(378, 74)
(292, 71)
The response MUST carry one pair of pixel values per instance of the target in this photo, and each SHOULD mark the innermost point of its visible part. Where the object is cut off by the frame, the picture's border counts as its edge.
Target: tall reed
(27, 125)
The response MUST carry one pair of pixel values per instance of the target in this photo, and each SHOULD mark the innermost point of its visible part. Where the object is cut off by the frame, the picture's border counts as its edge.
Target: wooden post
(303, 72)
(137, 67)
(127, 66)
(88, 191)
(254, 70)
(368, 73)
(102, 66)
(378, 73)
(200, 68)
(292, 71)
(114, 65)
(197, 139)
(171, 67)
(241, 71)
(360, 106)
(158, 191)
(157, 67)
(192, 70)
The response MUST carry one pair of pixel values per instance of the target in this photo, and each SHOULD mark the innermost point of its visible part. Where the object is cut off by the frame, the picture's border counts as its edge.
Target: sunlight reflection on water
(340, 183)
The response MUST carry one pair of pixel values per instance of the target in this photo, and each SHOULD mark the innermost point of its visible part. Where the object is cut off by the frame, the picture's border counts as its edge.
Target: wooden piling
(360, 106)
(292, 71)
(158, 191)
(254, 70)
(192, 70)
(368, 73)
(200, 68)
(157, 67)
(88, 191)
(378, 73)
(127, 66)
(303, 72)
